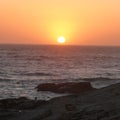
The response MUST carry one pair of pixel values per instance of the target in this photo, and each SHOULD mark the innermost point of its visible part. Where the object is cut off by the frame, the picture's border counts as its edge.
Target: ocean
(23, 67)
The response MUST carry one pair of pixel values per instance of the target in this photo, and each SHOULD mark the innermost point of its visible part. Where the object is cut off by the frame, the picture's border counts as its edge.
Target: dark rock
(20, 103)
(65, 87)
(70, 107)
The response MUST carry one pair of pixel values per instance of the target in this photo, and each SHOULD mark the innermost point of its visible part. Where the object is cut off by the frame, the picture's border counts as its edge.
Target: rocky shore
(66, 87)
(102, 104)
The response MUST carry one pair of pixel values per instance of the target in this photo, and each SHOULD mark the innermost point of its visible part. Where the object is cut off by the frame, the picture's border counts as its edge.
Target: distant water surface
(23, 67)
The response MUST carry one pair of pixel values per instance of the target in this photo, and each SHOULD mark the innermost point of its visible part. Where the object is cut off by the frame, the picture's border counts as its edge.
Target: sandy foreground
(102, 104)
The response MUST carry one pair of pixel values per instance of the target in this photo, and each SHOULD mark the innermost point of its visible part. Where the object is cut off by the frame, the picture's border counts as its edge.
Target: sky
(81, 22)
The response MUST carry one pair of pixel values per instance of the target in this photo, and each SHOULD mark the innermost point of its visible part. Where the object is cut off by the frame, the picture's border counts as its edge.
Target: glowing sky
(83, 22)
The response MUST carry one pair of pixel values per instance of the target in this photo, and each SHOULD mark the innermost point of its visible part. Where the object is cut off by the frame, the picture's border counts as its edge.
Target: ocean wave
(37, 74)
(77, 80)
(86, 79)
(89, 79)
(4, 80)
(99, 79)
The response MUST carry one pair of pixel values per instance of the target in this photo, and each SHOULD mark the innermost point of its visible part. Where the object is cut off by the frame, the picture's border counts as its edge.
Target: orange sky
(83, 22)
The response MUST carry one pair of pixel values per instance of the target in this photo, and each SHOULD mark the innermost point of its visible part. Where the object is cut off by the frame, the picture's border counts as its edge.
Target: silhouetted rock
(65, 87)
(101, 104)
(20, 103)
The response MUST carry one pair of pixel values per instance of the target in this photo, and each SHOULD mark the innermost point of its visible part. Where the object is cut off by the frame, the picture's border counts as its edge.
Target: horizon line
(59, 44)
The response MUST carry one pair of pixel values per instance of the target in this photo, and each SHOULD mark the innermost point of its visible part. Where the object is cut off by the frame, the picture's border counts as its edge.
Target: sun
(61, 40)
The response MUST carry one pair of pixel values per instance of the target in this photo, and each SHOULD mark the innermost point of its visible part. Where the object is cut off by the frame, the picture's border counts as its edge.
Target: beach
(59, 83)
(101, 104)
(59, 60)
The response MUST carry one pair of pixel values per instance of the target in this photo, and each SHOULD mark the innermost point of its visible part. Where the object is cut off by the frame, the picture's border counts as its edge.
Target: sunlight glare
(61, 40)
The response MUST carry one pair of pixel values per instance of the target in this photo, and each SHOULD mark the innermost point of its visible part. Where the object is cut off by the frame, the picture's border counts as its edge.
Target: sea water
(23, 67)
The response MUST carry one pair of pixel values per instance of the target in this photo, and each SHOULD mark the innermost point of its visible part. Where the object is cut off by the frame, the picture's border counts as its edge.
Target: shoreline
(101, 104)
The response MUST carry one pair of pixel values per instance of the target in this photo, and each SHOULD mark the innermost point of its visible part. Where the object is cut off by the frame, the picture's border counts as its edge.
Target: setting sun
(61, 40)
